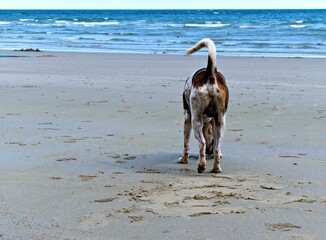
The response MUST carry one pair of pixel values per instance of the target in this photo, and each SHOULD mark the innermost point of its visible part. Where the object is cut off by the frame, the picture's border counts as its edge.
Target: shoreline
(201, 53)
(90, 143)
(13, 53)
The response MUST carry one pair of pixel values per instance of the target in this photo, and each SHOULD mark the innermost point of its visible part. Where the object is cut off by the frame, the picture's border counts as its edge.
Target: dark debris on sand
(28, 50)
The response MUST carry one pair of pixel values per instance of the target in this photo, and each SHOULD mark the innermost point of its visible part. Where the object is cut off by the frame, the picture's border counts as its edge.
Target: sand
(90, 143)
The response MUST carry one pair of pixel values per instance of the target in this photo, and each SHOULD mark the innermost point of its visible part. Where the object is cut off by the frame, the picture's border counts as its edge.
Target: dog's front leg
(186, 136)
(199, 135)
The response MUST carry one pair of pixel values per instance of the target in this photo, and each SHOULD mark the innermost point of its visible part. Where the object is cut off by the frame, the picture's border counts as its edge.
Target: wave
(90, 24)
(207, 24)
(189, 43)
(297, 26)
(4, 23)
(300, 47)
(35, 32)
(141, 21)
(230, 44)
(62, 22)
(69, 38)
(247, 26)
(100, 39)
(120, 40)
(260, 44)
(174, 25)
(28, 20)
(127, 34)
(85, 24)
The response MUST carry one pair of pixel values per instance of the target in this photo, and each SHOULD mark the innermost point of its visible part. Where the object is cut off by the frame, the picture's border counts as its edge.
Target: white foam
(230, 44)
(69, 38)
(90, 24)
(28, 20)
(299, 47)
(246, 26)
(207, 25)
(297, 26)
(174, 25)
(61, 23)
(4, 23)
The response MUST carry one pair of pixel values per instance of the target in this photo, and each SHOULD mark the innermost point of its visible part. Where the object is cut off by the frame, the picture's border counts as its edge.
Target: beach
(90, 143)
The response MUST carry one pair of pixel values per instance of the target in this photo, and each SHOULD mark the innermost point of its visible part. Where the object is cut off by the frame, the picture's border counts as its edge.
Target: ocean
(270, 33)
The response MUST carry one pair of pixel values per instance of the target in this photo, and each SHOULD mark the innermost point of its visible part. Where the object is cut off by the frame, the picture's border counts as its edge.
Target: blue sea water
(296, 33)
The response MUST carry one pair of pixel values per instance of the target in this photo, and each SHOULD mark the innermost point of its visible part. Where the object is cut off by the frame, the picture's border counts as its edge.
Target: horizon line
(163, 9)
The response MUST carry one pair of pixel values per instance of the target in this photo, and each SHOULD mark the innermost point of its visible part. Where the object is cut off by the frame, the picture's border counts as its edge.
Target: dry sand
(89, 145)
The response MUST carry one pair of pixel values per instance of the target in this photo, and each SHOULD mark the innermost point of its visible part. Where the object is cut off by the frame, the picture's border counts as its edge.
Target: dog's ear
(211, 80)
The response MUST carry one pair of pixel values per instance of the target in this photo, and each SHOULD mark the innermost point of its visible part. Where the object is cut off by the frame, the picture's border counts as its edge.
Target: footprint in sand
(281, 226)
(85, 178)
(66, 159)
(136, 218)
(104, 200)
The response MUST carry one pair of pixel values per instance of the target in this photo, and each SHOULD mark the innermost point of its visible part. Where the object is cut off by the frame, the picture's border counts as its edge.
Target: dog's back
(210, 74)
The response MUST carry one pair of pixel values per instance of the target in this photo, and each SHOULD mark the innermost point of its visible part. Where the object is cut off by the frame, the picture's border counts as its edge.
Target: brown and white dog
(205, 101)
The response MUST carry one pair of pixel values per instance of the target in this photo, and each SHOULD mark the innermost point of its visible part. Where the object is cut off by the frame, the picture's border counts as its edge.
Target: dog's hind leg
(222, 132)
(208, 134)
(219, 127)
(186, 136)
(197, 124)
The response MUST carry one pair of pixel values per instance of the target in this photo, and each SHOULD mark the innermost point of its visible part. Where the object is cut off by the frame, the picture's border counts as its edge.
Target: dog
(205, 102)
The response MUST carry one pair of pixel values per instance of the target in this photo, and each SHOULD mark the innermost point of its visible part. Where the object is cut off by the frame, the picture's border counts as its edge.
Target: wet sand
(90, 142)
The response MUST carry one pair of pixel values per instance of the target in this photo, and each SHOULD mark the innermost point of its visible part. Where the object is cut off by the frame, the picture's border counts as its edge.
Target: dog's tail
(206, 42)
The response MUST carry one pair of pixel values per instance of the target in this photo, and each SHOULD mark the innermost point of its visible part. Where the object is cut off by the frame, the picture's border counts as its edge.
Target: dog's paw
(183, 160)
(201, 169)
(216, 170)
